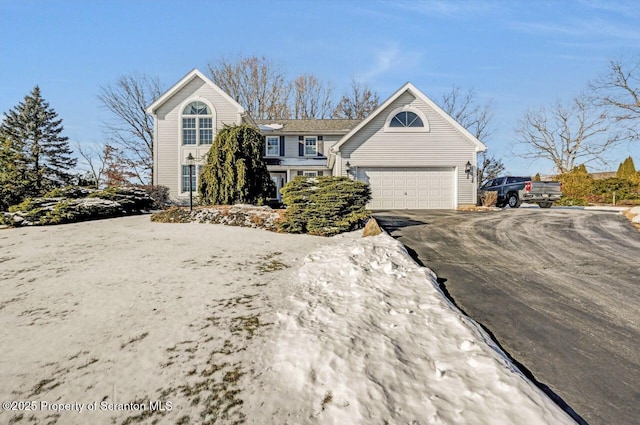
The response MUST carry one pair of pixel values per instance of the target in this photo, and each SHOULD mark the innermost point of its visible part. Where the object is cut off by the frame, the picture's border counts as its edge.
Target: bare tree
(132, 129)
(464, 108)
(619, 91)
(358, 103)
(255, 83)
(94, 162)
(566, 134)
(312, 98)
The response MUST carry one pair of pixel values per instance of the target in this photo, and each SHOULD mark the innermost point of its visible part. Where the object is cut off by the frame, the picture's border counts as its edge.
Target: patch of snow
(264, 328)
(368, 337)
(270, 127)
(605, 208)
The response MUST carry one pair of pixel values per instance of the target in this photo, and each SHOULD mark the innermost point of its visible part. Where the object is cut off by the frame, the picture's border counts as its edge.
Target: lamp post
(191, 161)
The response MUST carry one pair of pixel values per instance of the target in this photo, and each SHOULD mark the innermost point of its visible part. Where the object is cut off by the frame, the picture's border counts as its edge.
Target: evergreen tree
(627, 169)
(234, 171)
(13, 187)
(34, 129)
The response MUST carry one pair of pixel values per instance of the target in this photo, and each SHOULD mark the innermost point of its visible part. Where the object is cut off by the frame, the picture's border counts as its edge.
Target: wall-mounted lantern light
(468, 169)
(347, 166)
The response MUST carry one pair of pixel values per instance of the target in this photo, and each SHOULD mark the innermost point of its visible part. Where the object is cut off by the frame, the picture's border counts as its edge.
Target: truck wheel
(545, 204)
(512, 200)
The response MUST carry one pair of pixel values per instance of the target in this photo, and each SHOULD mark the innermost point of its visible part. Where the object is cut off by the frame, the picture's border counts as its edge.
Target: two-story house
(413, 154)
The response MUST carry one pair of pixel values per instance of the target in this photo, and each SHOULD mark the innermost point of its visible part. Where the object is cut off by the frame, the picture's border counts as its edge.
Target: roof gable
(408, 87)
(194, 73)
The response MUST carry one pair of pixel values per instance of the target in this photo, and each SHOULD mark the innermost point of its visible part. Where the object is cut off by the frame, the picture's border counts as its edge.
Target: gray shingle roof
(310, 126)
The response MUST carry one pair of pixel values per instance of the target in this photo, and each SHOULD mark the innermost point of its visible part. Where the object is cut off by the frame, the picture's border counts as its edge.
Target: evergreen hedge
(324, 206)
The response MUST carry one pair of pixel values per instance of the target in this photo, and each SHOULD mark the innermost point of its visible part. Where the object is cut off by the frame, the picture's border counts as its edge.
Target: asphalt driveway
(559, 290)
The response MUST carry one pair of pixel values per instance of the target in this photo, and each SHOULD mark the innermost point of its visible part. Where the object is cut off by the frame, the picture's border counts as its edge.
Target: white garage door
(410, 188)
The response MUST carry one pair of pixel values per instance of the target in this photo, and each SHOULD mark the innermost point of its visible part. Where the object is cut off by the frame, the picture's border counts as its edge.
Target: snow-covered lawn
(195, 323)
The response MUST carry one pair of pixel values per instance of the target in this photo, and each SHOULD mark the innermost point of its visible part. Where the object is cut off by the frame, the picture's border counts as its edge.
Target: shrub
(577, 183)
(130, 198)
(160, 196)
(172, 215)
(235, 171)
(324, 206)
(623, 188)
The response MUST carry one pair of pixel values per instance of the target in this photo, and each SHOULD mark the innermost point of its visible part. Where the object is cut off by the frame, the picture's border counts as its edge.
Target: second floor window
(406, 119)
(310, 146)
(273, 146)
(197, 124)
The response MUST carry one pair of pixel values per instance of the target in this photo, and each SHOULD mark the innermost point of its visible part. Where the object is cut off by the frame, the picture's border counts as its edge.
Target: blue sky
(514, 54)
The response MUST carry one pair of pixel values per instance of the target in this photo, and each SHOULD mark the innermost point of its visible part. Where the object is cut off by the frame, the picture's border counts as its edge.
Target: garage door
(410, 188)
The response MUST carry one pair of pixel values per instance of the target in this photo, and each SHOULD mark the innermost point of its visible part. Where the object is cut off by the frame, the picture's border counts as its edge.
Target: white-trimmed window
(310, 146)
(310, 173)
(195, 174)
(273, 146)
(197, 124)
(406, 118)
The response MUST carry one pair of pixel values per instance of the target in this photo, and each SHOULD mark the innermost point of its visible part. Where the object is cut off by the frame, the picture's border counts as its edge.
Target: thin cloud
(592, 28)
(384, 60)
(449, 8)
(627, 8)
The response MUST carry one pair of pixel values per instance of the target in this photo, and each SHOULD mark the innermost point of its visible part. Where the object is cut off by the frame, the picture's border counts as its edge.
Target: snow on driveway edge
(368, 337)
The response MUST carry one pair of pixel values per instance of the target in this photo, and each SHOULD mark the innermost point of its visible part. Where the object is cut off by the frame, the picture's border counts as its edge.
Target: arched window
(406, 119)
(197, 124)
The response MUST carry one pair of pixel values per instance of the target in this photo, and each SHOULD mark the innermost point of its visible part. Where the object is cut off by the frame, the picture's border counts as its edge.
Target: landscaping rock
(232, 215)
(372, 228)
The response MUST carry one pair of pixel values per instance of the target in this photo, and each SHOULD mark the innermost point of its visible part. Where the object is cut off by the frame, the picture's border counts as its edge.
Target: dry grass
(631, 216)
(489, 199)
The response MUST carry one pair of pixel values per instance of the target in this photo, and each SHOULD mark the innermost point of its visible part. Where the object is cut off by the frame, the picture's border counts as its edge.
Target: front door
(278, 180)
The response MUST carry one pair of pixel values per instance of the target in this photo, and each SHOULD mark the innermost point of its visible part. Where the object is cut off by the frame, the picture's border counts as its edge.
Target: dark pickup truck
(513, 191)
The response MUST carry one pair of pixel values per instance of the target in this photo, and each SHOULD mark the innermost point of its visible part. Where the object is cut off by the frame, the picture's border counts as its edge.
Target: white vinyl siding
(441, 146)
(169, 150)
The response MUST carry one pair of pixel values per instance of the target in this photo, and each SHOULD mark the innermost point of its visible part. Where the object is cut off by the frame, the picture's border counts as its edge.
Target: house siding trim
(408, 87)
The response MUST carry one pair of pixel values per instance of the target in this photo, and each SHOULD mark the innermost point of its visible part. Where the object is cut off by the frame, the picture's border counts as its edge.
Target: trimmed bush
(324, 206)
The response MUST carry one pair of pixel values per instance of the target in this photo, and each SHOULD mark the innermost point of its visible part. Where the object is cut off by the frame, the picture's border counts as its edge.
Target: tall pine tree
(235, 171)
(13, 184)
(33, 130)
